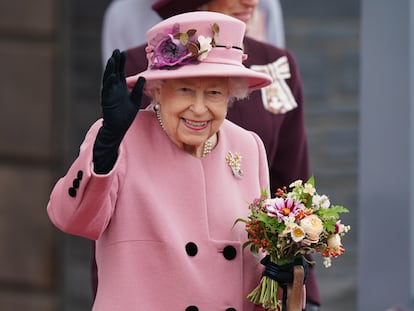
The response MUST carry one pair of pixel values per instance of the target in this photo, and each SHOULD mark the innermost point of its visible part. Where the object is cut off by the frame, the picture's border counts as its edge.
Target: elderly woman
(276, 113)
(160, 190)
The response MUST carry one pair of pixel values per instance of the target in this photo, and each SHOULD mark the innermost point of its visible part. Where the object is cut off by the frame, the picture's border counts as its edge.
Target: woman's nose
(250, 3)
(199, 105)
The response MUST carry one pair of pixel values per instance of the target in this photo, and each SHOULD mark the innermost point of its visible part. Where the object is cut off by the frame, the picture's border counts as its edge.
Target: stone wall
(83, 70)
(42, 74)
(29, 43)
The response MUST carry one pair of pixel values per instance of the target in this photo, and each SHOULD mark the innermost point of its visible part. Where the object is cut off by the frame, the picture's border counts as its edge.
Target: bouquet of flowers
(294, 223)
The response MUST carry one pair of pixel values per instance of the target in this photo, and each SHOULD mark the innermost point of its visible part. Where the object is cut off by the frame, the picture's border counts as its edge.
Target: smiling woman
(191, 111)
(159, 189)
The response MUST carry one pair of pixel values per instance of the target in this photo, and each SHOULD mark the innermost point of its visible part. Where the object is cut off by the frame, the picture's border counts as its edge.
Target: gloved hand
(119, 109)
(283, 274)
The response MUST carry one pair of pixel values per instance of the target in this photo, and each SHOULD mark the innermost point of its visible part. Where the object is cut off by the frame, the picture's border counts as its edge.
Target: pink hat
(198, 44)
(168, 8)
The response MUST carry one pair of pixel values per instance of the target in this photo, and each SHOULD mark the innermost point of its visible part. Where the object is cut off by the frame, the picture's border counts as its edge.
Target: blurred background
(50, 74)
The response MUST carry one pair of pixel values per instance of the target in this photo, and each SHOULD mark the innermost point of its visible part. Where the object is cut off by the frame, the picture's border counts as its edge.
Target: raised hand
(119, 109)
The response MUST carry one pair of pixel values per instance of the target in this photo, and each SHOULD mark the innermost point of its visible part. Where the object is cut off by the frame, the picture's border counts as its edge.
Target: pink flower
(340, 228)
(283, 208)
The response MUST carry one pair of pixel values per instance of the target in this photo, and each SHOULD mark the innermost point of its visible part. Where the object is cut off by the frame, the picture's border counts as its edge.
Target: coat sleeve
(263, 164)
(291, 161)
(82, 202)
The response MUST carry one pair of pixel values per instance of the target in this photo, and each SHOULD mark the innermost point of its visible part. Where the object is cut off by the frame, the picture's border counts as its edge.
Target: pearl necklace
(207, 147)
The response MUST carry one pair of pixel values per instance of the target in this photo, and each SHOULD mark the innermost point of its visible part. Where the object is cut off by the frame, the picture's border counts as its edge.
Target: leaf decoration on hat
(184, 37)
(216, 29)
(194, 49)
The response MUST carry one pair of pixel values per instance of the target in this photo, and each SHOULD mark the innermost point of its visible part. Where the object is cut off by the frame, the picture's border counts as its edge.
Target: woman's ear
(157, 94)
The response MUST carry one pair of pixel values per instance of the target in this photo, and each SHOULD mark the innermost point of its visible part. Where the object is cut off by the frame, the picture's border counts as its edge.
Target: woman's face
(192, 110)
(240, 9)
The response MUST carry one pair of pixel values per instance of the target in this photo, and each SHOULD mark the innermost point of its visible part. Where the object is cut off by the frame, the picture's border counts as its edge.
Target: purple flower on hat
(173, 47)
(169, 52)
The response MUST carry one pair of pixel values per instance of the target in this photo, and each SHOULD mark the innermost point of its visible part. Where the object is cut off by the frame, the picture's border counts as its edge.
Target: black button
(191, 308)
(191, 249)
(76, 183)
(229, 252)
(72, 192)
(230, 309)
(80, 175)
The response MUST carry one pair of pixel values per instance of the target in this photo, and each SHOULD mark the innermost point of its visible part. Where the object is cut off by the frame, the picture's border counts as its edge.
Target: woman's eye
(214, 93)
(185, 90)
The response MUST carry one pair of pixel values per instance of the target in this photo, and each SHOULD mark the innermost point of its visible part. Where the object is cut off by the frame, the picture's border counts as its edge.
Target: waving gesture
(119, 109)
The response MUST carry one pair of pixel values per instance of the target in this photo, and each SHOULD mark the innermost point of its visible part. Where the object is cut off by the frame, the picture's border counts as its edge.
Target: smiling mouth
(195, 125)
(243, 16)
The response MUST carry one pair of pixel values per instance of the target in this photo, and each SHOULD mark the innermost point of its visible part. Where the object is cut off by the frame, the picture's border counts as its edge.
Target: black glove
(119, 109)
(283, 274)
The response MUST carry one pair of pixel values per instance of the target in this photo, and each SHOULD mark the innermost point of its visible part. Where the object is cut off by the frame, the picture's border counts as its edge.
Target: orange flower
(302, 214)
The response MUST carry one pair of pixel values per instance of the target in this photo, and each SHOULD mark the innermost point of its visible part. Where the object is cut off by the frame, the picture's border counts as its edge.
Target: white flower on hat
(205, 47)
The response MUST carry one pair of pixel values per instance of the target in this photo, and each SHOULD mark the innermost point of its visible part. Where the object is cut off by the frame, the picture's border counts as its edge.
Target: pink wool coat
(163, 220)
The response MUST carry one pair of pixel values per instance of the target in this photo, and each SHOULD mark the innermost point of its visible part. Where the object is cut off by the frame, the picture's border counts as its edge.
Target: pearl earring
(157, 112)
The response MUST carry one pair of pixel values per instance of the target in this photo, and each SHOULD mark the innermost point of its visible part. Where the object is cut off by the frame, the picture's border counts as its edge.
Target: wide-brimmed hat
(168, 8)
(198, 44)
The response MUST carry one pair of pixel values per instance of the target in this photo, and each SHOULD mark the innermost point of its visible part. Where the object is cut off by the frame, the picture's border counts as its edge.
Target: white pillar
(411, 98)
(386, 155)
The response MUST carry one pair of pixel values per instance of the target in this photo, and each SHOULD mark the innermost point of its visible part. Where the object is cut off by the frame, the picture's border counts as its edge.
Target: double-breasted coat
(163, 220)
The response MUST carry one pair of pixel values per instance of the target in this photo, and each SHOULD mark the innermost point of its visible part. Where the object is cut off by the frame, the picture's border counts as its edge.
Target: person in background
(123, 23)
(267, 23)
(160, 189)
(122, 16)
(277, 114)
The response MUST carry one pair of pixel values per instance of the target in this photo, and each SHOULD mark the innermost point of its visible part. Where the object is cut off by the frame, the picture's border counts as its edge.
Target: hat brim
(255, 80)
